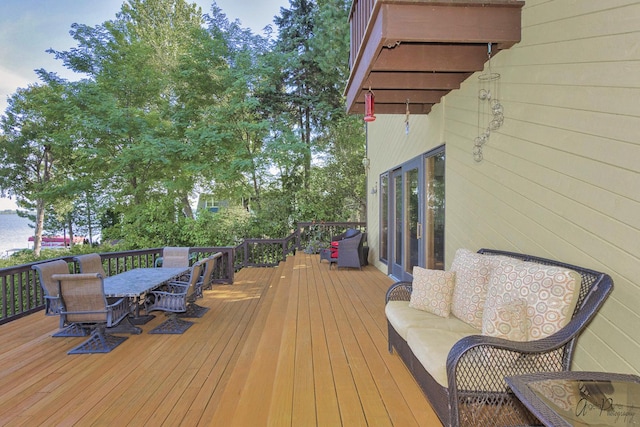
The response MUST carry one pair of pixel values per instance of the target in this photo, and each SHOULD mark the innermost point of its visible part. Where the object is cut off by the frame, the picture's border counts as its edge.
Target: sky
(29, 27)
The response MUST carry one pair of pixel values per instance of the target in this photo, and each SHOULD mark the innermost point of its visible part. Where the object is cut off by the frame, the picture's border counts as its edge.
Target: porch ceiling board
(412, 80)
(432, 57)
(409, 46)
(399, 108)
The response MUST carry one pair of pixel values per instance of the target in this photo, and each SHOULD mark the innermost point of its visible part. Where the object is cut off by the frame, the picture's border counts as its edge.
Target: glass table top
(584, 402)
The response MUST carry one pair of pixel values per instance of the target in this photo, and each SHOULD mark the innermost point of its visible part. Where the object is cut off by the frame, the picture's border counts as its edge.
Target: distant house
(557, 176)
(210, 203)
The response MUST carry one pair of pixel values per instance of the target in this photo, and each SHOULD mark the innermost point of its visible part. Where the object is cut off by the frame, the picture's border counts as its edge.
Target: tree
(314, 50)
(172, 103)
(36, 139)
(138, 107)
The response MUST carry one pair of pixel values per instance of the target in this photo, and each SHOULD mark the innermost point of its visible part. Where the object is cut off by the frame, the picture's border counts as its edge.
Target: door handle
(418, 230)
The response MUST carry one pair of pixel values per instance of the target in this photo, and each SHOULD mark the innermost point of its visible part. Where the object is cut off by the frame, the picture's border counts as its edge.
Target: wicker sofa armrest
(399, 291)
(477, 364)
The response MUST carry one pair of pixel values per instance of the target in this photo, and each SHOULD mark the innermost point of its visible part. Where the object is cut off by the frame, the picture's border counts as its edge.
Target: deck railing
(21, 293)
(359, 16)
(313, 236)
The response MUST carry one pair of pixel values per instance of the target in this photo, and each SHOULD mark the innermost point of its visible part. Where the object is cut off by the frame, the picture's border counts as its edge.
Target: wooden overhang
(415, 52)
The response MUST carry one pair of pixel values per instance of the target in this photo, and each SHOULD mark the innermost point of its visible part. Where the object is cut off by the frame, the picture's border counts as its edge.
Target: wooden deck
(297, 345)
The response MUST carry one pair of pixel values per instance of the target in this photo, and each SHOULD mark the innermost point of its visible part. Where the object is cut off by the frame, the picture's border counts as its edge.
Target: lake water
(14, 232)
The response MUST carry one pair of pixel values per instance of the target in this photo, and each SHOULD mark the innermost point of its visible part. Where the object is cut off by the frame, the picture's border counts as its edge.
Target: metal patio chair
(85, 304)
(205, 282)
(53, 303)
(174, 299)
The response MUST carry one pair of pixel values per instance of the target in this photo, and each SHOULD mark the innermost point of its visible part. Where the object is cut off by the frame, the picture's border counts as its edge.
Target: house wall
(561, 178)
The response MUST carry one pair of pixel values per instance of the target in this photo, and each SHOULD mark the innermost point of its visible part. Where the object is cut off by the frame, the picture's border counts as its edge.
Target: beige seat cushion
(431, 347)
(402, 317)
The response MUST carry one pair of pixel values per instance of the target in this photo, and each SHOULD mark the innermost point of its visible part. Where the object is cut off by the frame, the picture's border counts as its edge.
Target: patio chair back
(83, 297)
(49, 286)
(195, 280)
(209, 268)
(350, 232)
(175, 257)
(90, 263)
(350, 252)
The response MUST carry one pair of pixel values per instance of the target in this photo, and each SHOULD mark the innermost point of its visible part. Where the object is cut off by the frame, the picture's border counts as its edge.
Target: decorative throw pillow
(508, 321)
(432, 291)
(551, 293)
(472, 277)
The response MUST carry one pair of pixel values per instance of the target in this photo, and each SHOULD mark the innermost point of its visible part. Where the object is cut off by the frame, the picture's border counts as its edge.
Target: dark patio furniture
(53, 303)
(347, 249)
(173, 300)
(205, 281)
(135, 284)
(325, 254)
(209, 268)
(85, 304)
(477, 393)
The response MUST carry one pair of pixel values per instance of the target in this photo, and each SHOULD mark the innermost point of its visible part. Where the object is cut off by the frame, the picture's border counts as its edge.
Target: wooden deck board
(296, 345)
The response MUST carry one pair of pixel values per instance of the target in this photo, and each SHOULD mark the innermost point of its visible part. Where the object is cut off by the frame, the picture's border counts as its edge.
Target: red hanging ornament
(369, 107)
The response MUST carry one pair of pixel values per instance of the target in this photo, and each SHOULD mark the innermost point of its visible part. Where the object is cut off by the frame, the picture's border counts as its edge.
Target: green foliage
(227, 227)
(172, 104)
(149, 225)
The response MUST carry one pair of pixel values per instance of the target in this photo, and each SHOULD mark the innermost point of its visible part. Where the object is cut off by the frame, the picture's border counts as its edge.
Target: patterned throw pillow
(508, 321)
(472, 277)
(432, 291)
(551, 293)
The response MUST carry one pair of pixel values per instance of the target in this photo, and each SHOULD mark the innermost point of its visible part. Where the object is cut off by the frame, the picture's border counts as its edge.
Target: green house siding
(561, 177)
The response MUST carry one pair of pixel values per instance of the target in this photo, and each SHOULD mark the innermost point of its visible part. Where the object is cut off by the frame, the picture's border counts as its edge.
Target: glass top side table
(580, 399)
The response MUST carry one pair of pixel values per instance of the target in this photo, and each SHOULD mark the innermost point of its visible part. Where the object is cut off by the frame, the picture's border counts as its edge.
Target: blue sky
(29, 27)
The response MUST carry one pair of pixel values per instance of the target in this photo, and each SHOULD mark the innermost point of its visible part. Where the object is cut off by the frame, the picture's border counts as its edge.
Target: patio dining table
(135, 284)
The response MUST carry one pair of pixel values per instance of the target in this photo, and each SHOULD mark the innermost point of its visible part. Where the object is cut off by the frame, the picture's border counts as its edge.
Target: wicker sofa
(460, 364)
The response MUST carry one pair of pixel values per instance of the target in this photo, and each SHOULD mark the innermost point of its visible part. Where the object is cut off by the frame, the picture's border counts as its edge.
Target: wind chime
(488, 105)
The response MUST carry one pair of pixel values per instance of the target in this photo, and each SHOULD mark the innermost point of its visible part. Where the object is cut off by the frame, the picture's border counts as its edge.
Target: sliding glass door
(434, 218)
(415, 215)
